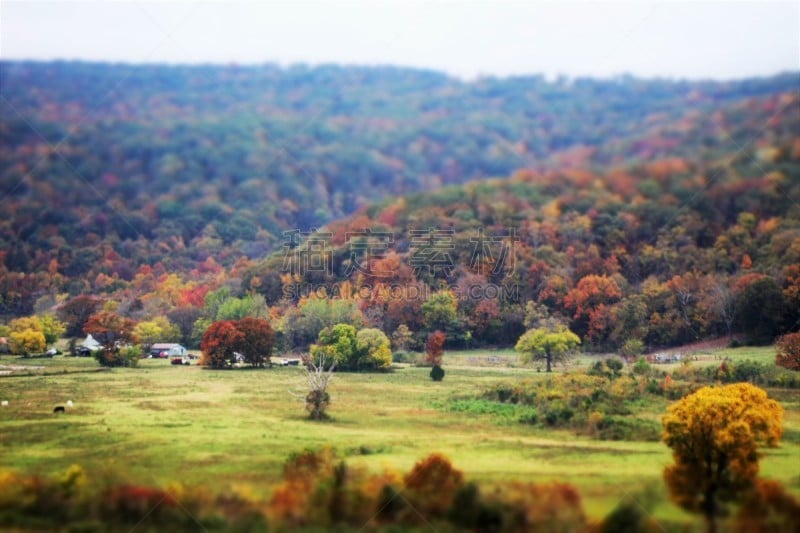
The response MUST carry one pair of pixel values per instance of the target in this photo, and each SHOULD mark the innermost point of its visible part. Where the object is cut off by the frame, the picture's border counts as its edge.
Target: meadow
(232, 430)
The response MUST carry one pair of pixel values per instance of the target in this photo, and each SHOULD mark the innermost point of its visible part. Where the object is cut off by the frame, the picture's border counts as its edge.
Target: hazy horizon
(467, 40)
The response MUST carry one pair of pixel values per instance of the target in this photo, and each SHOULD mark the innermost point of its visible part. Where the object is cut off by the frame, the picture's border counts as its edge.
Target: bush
(402, 356)
(788, 347)
(123, 357)
(632, 348)
(642, 367)
(629, 515)
(437, 373)
(615, 366)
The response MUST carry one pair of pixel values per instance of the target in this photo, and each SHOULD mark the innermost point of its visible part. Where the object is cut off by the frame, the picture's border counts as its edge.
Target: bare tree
(316, 375)
(725, 305)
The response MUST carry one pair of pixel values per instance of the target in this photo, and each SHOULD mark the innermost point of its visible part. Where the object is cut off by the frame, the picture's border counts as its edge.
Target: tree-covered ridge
(156, 184)
(664, 252)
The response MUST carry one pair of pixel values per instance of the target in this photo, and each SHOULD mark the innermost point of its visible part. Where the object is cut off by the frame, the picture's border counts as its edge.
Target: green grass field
(232, 430)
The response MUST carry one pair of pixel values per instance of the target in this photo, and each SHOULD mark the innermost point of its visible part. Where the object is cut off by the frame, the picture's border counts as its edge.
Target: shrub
(597, 369)
(615, 366)
(374, 349)
(127, 356)
(437, 373)
(629, 515)
(401, 356)
(642, 367)
(432, 485)
(632, 348)
(434, 348)
(788, 348)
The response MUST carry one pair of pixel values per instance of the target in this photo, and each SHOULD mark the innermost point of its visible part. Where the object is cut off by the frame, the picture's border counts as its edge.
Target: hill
(157, 184)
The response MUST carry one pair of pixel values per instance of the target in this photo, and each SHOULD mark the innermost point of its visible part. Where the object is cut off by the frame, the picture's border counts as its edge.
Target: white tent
(91, 344)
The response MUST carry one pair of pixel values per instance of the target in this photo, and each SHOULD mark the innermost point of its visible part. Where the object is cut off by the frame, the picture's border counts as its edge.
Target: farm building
(91, 344)
(167, 349)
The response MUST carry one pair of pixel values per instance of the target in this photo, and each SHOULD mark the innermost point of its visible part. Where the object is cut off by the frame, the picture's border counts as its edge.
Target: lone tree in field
(788, 351)
(434, 348)
(715, 435)
(548, 344)
(317, 374)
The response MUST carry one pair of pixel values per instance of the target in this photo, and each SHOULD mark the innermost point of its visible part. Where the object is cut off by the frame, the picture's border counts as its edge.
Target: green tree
(761, 311)
(337, 344)
(184, 318)
(52, 328)
(440, 311)
(715, 435)
(632, 348)
(550, 345)
(198, 330)
(239, 308)
(374, 349)
(304, 324)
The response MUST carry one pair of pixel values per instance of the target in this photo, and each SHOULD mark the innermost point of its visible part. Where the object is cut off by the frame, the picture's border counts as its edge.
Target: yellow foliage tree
(159, 329)
(715, 435)
(26, 342)
(52, 328)
(27, 336)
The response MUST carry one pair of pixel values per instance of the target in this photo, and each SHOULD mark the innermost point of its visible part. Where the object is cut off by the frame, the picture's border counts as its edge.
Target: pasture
(232, 430)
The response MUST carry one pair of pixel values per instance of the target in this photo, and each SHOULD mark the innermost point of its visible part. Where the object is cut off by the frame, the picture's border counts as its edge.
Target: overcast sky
(464, 38)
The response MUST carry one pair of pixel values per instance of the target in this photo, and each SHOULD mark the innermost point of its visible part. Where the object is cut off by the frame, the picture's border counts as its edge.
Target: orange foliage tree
(769, 507)
(219, 343)
(112, 331)
(253, 338)
(715, 435)
(434, 348)
(432, 484)
(589, 302)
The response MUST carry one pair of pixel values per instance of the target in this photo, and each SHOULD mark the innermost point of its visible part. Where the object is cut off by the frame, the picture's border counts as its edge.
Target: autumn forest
(640, 209)
(314, 294)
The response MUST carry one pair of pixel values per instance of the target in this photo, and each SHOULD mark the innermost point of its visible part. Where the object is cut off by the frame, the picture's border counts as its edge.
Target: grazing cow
(69, 403)
(5, 403)
(59, 409)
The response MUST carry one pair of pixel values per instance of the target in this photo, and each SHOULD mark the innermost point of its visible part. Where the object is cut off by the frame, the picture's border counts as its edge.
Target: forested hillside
(157, 185)
(664, 252)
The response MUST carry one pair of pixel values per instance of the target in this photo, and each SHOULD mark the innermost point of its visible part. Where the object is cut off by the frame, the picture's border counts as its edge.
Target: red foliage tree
(112, 331)
(788, 351)
(258, 340)
(768, 507)
(434, 348)
(589, 302)
(219, 343)
(253, 338)
(75, 312)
